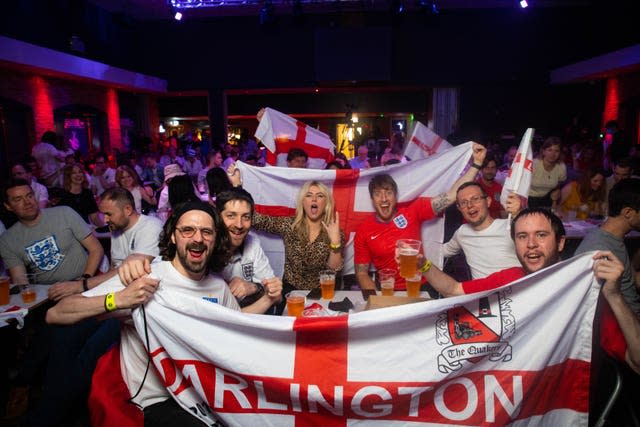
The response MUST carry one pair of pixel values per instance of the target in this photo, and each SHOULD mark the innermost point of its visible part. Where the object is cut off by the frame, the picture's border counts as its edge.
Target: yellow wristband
(110, 302)
(425, 267)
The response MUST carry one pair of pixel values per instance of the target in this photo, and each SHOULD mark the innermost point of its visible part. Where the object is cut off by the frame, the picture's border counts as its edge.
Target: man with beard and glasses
(376, 237)
(482, 231)
(131, 233)
(189, 256)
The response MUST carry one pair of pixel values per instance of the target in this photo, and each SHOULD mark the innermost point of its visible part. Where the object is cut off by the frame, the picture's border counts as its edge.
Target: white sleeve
(111, 285)
(452, 247)
(261, 267)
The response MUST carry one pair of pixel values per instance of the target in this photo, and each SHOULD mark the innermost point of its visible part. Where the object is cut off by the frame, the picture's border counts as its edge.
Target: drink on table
(413, 286)
(387, 279)
(28, 293)
(407, 250)
(328, 283)
(4, 290)
(295, 303)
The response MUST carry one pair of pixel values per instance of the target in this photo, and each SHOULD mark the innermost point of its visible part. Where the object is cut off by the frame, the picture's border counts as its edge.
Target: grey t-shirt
(51, 248)
(599, 240)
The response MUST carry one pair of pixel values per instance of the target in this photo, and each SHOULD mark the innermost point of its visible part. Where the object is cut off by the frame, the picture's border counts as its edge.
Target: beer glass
(387, 279)
(328, 284)
(413, 285)
(295, 303)
(407, 251)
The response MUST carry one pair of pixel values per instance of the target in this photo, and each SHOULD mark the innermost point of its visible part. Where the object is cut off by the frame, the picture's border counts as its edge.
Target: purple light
(523, 3)
(178, 16)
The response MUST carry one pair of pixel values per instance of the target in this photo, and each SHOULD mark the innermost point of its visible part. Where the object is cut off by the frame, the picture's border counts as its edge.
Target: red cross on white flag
(519, 178)
(424, 143)
(440, 362)
(280, 133)
(275, 189)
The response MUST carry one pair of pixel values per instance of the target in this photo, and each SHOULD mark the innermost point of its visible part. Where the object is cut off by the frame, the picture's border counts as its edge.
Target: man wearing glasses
(187, 246)
(482, 231)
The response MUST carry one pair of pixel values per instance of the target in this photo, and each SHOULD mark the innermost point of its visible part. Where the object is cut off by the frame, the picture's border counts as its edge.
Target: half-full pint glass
(387, 278)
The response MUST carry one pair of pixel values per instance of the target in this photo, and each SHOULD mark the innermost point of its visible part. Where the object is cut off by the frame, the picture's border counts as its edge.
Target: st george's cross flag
(275, 192)
(519, 177)
(280, 133)
(424, 143)
(518, 355)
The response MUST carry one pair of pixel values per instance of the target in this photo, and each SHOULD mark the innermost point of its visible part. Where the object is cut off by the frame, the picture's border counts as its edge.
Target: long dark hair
(219, 257)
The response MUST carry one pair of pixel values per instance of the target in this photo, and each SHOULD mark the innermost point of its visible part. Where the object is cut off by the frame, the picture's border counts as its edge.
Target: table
(355, 296)
(42, 296)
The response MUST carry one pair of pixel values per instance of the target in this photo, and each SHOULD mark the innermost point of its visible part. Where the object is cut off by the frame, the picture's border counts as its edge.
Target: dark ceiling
(149, 10)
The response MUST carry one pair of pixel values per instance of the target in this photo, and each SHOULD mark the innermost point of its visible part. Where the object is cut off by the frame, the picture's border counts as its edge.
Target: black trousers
(169, 414)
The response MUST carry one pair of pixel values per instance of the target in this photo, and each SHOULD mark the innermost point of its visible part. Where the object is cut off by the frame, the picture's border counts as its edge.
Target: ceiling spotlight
(428, 6)
(524, 4)
(178, 16)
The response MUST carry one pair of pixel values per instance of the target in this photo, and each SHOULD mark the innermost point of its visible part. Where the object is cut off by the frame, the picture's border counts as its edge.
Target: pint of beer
(4, 290)
(387, 279)
(407, 250)
(328, 284)
(413, 286)
(295, 303)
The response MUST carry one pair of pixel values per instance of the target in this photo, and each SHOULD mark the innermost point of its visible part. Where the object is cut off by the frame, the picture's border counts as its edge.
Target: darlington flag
(280, 133)
(519, 354)
(275, 190)
(424, 143)
(519, 178)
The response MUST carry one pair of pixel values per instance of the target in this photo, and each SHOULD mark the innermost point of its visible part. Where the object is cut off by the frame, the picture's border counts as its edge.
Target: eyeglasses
(188, 232)
(472, 201)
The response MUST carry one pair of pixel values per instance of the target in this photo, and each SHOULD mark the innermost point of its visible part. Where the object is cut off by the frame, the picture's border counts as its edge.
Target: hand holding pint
(407, 251)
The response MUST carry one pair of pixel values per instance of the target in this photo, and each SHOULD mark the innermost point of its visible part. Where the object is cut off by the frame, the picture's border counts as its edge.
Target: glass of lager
(328, 284)
(407, 251)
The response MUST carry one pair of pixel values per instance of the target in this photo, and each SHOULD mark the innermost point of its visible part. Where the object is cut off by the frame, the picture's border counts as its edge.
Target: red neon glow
(611, 101)
(42, 106)
(113, 118)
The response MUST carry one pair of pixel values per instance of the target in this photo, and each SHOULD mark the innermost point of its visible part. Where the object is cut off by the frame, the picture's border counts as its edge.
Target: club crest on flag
(400, 221)
(471, 332)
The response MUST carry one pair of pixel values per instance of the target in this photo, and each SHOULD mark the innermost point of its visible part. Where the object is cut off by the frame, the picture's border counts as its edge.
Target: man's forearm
(75, 308)
(362, 275)
(443, 283)
(629, 325)
(93, 261)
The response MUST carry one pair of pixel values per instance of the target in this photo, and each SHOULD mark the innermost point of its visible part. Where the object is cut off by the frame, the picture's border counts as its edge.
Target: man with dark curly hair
(188, 246)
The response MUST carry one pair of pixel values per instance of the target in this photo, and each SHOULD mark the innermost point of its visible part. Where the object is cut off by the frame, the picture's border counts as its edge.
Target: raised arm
(444, 200)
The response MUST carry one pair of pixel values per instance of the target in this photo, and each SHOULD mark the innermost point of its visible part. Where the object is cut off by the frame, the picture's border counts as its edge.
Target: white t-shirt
(251, 265)
(133, 355)
(486, 251)
(142, 238)
(109, 175)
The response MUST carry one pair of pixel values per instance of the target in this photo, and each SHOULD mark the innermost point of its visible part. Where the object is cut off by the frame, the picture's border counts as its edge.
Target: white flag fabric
(280, 133)
(519, 177)
(275, 189)
(517, 355)
(424, 143)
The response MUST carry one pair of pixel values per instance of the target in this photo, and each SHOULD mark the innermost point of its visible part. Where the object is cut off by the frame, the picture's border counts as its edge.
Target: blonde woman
(77, 194)
(127, 178)
(312, 238)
